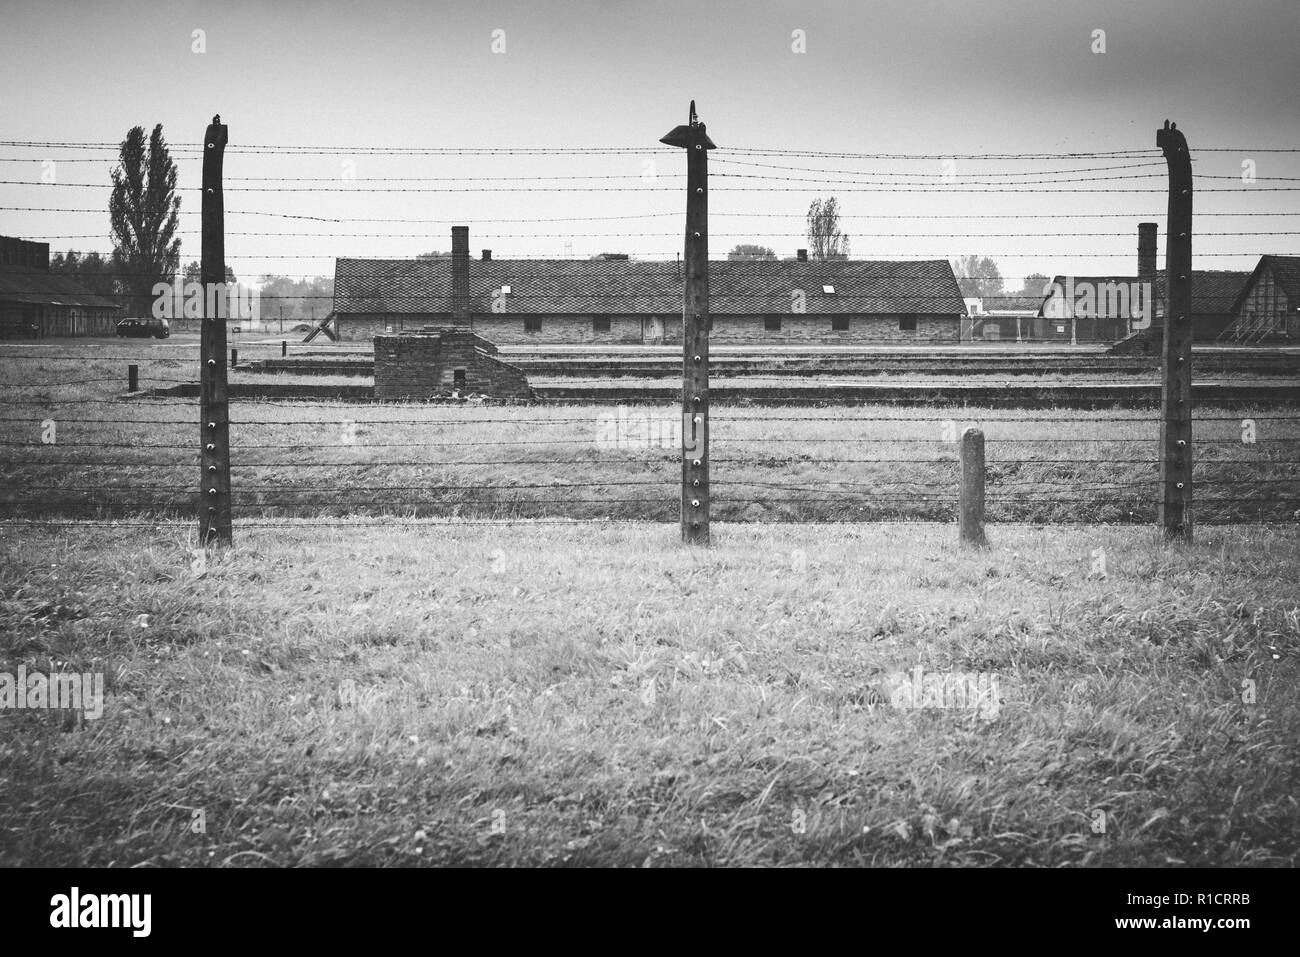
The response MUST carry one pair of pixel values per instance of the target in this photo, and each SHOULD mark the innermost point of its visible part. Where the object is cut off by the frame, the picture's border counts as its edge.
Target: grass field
(113, 458)
(495, 683)
(555, 695)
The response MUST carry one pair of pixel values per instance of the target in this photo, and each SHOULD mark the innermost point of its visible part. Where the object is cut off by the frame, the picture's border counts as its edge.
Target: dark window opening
(771, 323)
(907, 323)
(458, 380)
(839, 323)
(533, 324)
(600, 324)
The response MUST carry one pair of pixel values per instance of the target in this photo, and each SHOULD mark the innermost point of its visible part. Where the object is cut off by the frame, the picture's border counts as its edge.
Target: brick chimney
(487, 255)
(801, 255)
(1147, 252)
(1147, 269)
(460, 277)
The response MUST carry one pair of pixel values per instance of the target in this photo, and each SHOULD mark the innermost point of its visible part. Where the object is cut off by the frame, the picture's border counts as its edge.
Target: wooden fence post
(133, 378)
(696, 325)
(970, 518)
(214, 404)
(1175, 510)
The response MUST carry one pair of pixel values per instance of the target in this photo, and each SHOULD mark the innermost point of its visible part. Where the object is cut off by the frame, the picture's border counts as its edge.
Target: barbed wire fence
(76, 451)
(509, 463)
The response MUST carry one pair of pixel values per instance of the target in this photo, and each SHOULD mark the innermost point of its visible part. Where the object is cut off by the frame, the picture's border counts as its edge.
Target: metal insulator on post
(970, 518)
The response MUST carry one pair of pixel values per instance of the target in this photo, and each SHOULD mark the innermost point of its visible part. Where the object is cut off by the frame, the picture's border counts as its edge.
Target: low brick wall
(818, 328)
(361, 328)
(667, 330)
(580, 330)
(355, 327)
(424, 364)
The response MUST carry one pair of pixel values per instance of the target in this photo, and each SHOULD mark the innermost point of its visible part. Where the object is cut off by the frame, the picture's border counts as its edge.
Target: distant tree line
(297, 299)
(979, 277)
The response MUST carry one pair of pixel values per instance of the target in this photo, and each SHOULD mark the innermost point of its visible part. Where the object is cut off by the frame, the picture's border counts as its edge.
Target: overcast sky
(914, 77)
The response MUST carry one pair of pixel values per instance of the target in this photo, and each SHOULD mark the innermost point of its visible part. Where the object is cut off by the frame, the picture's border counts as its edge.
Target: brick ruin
(436, 361)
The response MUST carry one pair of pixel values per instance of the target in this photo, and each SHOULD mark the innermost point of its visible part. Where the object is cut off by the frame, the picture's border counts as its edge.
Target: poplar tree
(143, 213)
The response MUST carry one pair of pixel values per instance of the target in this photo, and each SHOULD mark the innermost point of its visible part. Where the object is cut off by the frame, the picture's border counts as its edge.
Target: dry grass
(434, 694)
(439, 692)
(115, 458)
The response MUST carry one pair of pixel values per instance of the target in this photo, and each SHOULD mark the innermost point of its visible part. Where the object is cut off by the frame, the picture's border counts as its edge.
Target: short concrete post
(234, 358)
(132, 378)
(284, 348)
(971, 507)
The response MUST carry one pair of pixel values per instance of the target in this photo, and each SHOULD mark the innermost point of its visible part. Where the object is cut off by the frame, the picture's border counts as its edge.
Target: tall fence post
(970, 516)
(696, 325)
(214, 404)
(1175, 511)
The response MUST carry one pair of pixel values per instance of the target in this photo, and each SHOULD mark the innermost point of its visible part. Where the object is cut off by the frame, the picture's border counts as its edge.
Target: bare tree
(825, 239)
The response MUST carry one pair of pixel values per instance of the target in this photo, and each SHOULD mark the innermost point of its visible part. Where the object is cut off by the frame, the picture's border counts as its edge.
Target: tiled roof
(1213, 290)
(1286, 273)
(29, 286)
(626, 287)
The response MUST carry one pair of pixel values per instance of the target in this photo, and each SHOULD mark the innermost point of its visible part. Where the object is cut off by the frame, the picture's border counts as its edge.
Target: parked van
(144, 328)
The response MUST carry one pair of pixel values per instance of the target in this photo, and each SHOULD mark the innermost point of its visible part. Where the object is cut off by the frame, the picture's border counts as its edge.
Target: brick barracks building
(35, 303)
(614, 300)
